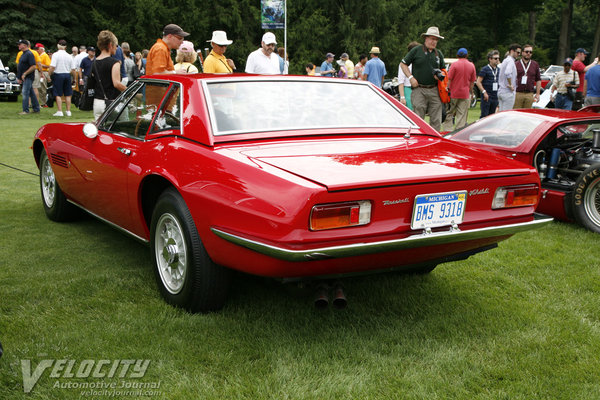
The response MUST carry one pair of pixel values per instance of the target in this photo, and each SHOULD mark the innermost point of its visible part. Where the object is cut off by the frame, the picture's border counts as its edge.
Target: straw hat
(433, 31)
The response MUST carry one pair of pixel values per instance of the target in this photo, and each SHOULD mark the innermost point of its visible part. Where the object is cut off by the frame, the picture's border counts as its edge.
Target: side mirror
(90, 130)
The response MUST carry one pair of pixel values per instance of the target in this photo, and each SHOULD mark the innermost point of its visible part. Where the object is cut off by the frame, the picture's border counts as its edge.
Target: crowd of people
(513, 83)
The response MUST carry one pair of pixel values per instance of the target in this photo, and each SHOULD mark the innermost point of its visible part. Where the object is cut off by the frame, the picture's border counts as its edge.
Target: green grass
(518, 322)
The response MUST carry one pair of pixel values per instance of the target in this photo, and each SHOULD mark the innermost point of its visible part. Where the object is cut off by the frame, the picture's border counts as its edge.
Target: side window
(134, 112)
(168, 118)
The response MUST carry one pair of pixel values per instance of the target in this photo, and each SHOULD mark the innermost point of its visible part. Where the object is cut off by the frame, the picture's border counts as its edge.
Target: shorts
(36, 80)
(62, 84)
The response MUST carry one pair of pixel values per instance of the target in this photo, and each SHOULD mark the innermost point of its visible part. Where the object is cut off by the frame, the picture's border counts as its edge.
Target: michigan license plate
(438, 209)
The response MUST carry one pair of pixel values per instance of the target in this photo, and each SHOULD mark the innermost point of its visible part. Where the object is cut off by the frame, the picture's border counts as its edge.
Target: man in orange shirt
(159, 59)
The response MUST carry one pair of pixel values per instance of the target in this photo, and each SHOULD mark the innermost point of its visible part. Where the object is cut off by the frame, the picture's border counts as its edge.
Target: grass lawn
(519, 322)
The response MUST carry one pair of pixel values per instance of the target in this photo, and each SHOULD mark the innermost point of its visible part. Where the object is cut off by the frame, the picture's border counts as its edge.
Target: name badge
(495, 86)
(524, 80)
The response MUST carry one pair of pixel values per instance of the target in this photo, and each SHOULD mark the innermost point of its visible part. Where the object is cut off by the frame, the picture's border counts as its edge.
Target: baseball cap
(329, 55)
(462, 52)
(568, 60)
(344, 55)
(186, 47)
(91, 48)
(269, 38)
(582, 50)
(39, 45)
(23, 41)
(173, 29)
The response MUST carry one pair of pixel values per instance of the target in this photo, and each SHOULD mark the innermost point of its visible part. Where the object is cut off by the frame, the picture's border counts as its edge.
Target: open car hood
(352, 163)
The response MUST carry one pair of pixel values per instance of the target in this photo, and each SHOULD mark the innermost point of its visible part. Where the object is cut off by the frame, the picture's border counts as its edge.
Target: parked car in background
(9, 85)
(563, 146)
(548, 74)
(251, 173)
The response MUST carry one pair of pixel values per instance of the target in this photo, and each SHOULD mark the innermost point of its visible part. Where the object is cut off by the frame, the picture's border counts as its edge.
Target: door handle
(124, 150)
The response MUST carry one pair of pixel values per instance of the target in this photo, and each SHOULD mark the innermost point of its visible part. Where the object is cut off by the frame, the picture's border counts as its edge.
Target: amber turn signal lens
(516, 196)
(340, 215)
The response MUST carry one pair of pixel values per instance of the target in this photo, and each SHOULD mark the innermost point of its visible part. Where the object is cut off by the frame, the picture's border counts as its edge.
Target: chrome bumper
(358, 249)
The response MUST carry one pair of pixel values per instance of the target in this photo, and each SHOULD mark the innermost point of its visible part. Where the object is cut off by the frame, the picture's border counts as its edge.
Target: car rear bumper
(454, 235)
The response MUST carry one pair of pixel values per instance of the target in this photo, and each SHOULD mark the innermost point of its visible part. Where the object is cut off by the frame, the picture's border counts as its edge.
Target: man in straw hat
(425, 60)
(216, 62)
(374, 69)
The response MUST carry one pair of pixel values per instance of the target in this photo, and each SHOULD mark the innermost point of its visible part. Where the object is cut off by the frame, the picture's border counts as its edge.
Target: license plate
(438, 209)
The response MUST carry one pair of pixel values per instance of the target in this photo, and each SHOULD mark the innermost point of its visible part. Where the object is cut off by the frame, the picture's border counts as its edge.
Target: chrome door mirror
(90, 130)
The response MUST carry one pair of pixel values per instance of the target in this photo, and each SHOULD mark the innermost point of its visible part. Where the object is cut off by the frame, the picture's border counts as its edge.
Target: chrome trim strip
(117, 227)
(358, 249)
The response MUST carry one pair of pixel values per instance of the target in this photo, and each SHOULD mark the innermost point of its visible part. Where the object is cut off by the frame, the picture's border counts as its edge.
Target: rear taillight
(516, 196)
(340, 215)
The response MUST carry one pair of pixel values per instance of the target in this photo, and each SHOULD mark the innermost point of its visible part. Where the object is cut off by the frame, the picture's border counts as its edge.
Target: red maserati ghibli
(297, 178)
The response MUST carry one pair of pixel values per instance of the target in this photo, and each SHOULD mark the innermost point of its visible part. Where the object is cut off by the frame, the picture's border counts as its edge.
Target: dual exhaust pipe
(322, 295)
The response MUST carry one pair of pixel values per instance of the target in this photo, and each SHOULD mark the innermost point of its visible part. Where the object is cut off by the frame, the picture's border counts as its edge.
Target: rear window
(252, 106)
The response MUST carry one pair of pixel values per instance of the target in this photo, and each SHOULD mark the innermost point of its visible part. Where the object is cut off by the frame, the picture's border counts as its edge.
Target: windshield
(508, 130)
(252, 106)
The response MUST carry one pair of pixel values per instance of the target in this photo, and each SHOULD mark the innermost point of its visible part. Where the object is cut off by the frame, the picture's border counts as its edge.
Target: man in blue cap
(461, 78)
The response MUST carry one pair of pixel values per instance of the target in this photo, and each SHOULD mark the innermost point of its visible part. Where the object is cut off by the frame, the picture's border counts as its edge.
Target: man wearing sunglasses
(487, 82)
(216, 62)
(529, 79)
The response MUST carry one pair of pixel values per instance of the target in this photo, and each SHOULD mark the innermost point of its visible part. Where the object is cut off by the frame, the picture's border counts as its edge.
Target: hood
(341, 164)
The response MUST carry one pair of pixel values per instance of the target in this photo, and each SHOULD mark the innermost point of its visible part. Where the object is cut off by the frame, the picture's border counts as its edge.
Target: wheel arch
(37, 147)
(150, 190)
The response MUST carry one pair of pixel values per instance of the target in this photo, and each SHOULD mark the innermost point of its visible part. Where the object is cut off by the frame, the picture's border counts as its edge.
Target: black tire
(55, 203)
(185, 274)
(585, 200)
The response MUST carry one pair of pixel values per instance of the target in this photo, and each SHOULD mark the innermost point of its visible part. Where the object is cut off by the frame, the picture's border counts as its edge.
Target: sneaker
(45, 106)
(24, 113)
(58, 114)
(68, 113)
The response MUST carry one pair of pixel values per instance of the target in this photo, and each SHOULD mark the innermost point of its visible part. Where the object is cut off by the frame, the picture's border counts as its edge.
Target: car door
(118, 158)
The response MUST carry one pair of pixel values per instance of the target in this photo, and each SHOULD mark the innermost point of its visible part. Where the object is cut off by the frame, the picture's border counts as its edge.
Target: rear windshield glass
(252, 106)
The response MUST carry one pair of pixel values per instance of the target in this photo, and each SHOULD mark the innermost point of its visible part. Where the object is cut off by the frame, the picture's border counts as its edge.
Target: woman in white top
(404, 88)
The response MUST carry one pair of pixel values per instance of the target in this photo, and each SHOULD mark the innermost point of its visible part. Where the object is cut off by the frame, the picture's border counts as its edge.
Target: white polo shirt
(259, 63)
(62, 62)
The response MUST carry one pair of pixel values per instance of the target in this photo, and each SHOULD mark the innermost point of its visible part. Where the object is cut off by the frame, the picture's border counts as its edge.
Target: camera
(438, 74)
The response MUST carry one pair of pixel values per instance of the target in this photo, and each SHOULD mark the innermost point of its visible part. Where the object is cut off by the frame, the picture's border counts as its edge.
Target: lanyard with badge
(495, 74)
(524, 78)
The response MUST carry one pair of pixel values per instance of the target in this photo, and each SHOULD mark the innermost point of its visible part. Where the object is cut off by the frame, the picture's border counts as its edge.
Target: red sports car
(288, 177)
(564, 146)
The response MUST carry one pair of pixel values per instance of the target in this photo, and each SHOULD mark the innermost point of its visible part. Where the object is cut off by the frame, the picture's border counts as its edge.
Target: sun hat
(432, 31)
(220, 38)
(186, 47)
(374, 50)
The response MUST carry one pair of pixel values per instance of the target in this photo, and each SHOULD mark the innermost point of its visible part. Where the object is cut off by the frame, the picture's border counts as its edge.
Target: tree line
(555, 27)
